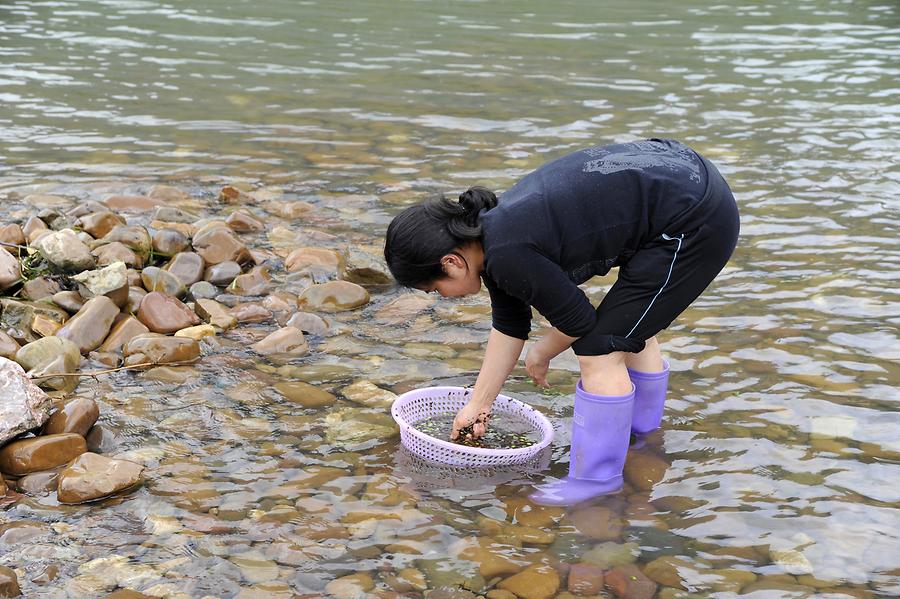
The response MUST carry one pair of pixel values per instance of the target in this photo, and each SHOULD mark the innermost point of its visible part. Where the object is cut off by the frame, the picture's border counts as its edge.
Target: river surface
(779, 453)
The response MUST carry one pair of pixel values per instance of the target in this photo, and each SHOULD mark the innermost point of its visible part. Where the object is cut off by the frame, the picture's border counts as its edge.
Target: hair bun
(476, 199)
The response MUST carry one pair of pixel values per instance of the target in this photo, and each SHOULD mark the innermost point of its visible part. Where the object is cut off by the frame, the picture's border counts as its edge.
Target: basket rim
(546, 428)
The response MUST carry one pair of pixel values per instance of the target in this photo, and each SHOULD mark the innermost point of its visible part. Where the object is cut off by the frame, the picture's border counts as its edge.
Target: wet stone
(133, 237)
(110, 281)
(256, 282)
(353, 586)
(334, 296)
(34, 228)
(91, 477)
(153, 348)
(643, 470)
(24, 406)
(597, 522)
(308, 323)
(131, 203)
(122, 332)
(110, 253)
(251, 312)
(98, 224)
(89, 327)
(222, 274)
(101, 440)
(168, 242)
(38, 483)
(172, 214)
(308, 396)
(666, 570)
(628, 582)
(366, 268)
(197, 332)
(43, 326)
(287, 340)
(9, 583)
(368, 394)
(12, 235)
(9, 270)
(65, 251)
(215, 314)
(187, 267)
(315, 260)
(157, 279)
(136, 295)
(535, 582)
(242, 221)
(203, 290)
(165, 314)
(655, 542)
(218, 243)
(39, 354)
(70, 301)
(47, 575)
(39, 288)
(40, 453)
(585, 579)
(77, 415)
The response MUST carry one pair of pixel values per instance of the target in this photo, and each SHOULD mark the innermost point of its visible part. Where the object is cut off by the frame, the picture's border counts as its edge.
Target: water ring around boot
(415, 406)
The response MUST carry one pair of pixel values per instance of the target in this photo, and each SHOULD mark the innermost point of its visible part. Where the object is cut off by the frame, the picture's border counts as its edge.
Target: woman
(655, 208)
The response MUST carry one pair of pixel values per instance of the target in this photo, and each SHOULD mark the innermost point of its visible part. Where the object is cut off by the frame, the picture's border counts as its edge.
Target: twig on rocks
(110, 370)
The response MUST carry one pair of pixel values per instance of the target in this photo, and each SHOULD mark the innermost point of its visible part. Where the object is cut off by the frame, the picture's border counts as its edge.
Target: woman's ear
(454, 260)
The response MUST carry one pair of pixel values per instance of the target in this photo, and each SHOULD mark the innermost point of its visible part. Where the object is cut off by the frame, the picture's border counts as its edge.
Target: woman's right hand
(471, 421)
(537, 366)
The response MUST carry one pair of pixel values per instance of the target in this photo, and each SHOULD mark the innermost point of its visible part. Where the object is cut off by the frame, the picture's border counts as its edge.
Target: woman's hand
(471, 421)
(537, 366)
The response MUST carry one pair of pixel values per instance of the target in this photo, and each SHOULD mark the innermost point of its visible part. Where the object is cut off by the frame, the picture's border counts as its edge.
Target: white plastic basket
(414, 406)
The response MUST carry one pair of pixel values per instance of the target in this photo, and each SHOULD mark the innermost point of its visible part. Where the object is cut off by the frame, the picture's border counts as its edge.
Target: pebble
(39, 288)
(353, 586)
(89, 327)
(585, 579)
(110, 253)
(241, 221)
(91, 477)
(8, 346)
(287, 340)
(197, 332)
(315, 260)
(308, 323)
(215, 314)
(628, 582)
(59, 352)
(12, 234)
(165, 314)
(255, 567)
(133, 237)
(668, 570)
(223, 273)
(40, 453)
(65, 251)
(333, 296)
(368, 394)
(110, 281)
(158, 349)
(597, 522)
(217, 243)
(203, 290)
(157, 279)
(250, 312)
(77, 415)
(308, 396)
(122, 332)
(643, 470)
(187, 267)
(535, 582)
(38, 483)
(130, 203)
(608, 555)
(168, 242)
(98, 224)
(256, 282)
(9, 270)
(70, 301)
(9, 583)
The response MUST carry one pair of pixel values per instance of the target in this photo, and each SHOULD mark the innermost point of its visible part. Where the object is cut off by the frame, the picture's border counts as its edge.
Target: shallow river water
(776, 471)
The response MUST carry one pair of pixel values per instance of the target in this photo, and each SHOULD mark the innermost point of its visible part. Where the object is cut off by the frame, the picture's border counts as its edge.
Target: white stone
(24, 405)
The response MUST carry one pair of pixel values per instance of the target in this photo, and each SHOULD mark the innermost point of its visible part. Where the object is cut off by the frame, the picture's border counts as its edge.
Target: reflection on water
(777, 466)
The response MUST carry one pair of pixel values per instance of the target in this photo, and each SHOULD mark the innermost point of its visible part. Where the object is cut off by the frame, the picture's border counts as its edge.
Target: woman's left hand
(537, 366)
(471, 420)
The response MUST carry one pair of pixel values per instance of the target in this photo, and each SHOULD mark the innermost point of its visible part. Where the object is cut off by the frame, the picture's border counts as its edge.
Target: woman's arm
(500, 358)
(550, 345)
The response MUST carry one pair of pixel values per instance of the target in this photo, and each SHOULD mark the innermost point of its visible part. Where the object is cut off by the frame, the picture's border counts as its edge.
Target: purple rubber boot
(601, 429)
(649, 398)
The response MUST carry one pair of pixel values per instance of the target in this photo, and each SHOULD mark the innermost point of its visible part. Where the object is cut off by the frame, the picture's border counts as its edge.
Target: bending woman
(656, 209)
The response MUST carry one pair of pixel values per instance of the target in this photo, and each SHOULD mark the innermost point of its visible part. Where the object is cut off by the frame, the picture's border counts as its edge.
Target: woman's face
(461, 280)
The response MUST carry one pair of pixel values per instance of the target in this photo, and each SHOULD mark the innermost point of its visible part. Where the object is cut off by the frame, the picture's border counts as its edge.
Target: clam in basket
(420, 404)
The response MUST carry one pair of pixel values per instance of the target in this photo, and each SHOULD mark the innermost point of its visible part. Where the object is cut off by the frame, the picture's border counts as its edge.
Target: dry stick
(96, 372)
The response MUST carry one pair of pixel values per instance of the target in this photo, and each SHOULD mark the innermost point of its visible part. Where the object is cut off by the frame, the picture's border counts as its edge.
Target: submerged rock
(350, 427)
(629, 582)
(91, 477)
(255, 282)
(215, 314)
(334, 296)
(40, 453)
(536, 582)
(24, 406)
(38, 483)
(287, 340)
(308, 396)
(152, 348)
(315, 260)
(241, 221)
(368, 394)
(308, 323)
(89, 327)
(165, 314)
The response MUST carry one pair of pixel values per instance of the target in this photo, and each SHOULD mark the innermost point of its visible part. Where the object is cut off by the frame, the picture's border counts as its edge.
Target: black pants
(665, 276)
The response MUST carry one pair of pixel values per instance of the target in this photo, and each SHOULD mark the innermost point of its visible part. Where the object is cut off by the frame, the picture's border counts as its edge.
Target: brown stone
(40, 453)
(133, 237)
(308, 323)
(48, 574)
(13, 235)
(287, 340)
(65, 251)
(157, 279)
(38, 483)
(9, 270)
(165, 314)
(122, 332)
(135, 296)
(628, 582)
(597, 522)
(218, 243)
(9, 583)
(70, 301)
(43, 326)
(288, 210)
(333, 296)
(222, 274)
(282, 302)
(244, 222)
(255, 282)
(34, 228)
(91, 477)
(129, 203)
(186, 229)
(215, 314)
(39, 288)
(3, 487)
(233, 195)
(585, 579)
(308, 396)
(167, 193)
(168, 242)
(78, 415)
(251, 312)
(98, 224)
(89, 327)
(536, 582)
(8, 346)
(110, 253)
(197, 332)
(128, 594)
(187, 267)
(152, 348)
(643, 470)
(493, 558)
(312, 259)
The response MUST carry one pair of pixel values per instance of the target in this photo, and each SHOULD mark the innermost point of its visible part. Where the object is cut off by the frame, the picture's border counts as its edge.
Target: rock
(597, 522)
(281, 302)
(111, 253)
(47, 575)
(353, 586)
(791, 560)
(308, 323)
(203, 290)
(85, 207)
(655, 542)
(9, 270)
(43, 326)
(38, 354)
(350, 427)
(241, 221)
(122, 332)
(164, 314)
(197, 332)
(665, 571)
(333, 296)
(255, 282)
(131, 203)
(287, 340)
(21, 532)
(153, 348)
(136, 295)
(34, 228)
(65, 252)
(111, 281)
(368, 394)
(215, 314)
(536, 582)
(608, 555)
(493, 558)
(233, 195)
(365, 268)
(187, 267)
(98, 224)
(222, 274)
(24, 406)
(628, 582)
(166, 193)
(40, 453)
(8, 346)
(250, 312)
(135, 238)
(168, 242)
(172, 214)
(9, 583)
(101, 440)
(407, 579)
(38, 483)
(585, 579)
(3, 487)
(70, 301)
(91, 477)
(17, 316)
(89, 327)
(157, 279)
(217, 243)
(39, 288)
(128, 594)
(288, 210)
(77, 415)
(643, 470)
(12, 235)
(308, 396)
(322, 261)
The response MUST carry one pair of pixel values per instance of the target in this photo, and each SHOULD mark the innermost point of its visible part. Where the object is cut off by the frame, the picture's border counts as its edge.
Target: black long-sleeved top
(577, 217)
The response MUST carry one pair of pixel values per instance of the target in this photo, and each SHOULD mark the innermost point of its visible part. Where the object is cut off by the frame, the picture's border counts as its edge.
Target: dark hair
(421, 235)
